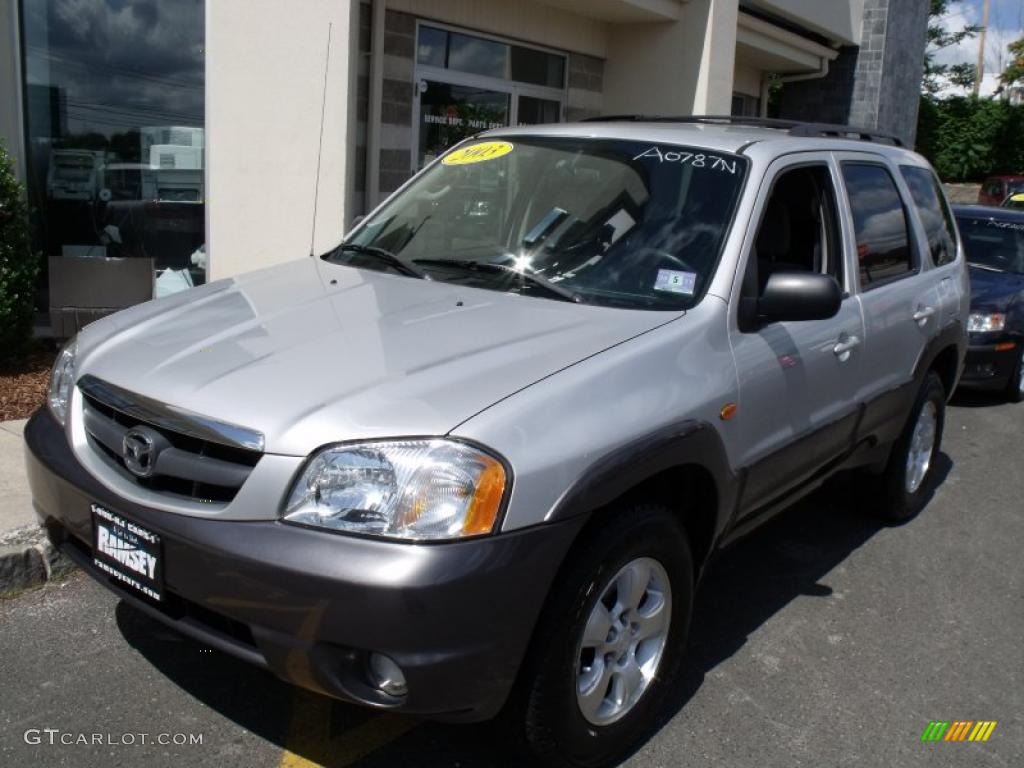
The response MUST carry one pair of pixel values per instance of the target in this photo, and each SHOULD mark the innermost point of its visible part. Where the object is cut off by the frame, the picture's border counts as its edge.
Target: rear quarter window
(934, 212)
(879, 223)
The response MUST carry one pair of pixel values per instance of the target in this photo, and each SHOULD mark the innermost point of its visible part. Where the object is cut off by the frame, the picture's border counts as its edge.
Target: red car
(997, 188)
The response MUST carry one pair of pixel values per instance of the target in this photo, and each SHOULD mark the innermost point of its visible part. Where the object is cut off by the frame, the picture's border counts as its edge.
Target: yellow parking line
(311, 745)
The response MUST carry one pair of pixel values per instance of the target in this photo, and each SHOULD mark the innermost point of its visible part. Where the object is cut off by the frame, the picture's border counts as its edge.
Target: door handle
(843, 349)
(922, 315)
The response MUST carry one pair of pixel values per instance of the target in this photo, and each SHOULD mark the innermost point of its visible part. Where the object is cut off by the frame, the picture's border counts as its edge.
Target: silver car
(476, 458)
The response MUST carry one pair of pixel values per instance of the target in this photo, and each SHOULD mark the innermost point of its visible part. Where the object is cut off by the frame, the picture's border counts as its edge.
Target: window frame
(775, 170)
(913, 243)
(513, 88)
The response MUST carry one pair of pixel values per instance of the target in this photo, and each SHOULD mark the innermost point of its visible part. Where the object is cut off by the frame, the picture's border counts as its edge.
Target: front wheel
(910, 477)
(610, 641)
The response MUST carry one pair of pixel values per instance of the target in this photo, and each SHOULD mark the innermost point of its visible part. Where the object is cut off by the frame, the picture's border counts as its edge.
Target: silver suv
(476, 458)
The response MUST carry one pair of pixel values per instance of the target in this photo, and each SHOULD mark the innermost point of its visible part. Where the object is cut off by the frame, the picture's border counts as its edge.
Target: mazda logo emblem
(138, 453)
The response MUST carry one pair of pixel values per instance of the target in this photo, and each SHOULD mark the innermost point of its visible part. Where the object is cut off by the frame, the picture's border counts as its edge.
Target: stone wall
(876, 85)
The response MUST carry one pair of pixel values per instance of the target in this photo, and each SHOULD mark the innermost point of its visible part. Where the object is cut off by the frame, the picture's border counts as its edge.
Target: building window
(469, 83)
(114, 112)
(744, 105)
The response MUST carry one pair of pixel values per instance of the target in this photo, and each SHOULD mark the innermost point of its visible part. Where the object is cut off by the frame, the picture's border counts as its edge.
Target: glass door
(450, 112)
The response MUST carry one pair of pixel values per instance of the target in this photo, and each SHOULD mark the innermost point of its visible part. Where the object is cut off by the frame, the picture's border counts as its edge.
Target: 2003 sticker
(477, 153)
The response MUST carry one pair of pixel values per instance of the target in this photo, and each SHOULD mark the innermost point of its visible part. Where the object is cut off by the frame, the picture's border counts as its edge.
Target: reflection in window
(537, 67)
(476, 55)
(880, 223)
(534, 111)
(993, 244)
(432, 47)
(114, 94)
(483, 56)
(450, 113)
(934, 212)
(618, 223)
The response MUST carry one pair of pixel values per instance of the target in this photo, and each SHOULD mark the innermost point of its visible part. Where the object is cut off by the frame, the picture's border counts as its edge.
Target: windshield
(608, 222)
(993, 244)
(1015, 201)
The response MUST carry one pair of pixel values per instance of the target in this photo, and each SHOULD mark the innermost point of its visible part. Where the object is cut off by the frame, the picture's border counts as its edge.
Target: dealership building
(167, 142)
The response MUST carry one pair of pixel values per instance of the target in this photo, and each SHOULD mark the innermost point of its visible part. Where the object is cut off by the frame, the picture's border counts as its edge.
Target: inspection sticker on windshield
(674, 281)
(477, 153)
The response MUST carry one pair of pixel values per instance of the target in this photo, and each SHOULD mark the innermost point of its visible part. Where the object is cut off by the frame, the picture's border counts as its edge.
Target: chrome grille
(195, 458)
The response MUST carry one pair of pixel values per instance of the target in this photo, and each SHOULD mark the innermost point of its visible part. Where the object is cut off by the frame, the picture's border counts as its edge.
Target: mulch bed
(23, 385)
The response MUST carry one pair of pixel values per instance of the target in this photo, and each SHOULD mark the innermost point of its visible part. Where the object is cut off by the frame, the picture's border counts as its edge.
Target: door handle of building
(922, 315)
(843, 349)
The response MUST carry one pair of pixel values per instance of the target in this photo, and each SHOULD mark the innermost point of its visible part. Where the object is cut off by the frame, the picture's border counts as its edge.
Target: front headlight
(62, 380)
(403, 489)
(986, 322)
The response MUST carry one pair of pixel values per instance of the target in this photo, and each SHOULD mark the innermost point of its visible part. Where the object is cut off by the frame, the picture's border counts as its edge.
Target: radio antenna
(320, 147)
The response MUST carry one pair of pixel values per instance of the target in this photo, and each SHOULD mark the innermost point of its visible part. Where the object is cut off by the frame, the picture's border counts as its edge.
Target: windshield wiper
(384, 256)
(490, 266)
(986, 267)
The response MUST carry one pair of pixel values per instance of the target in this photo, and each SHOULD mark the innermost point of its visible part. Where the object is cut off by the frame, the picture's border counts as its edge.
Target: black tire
(544, 711)
(1014, 393)
(891, 499)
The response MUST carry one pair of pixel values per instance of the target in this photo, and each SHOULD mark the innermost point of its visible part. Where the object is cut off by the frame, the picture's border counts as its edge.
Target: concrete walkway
(15, 502)
(26, 557)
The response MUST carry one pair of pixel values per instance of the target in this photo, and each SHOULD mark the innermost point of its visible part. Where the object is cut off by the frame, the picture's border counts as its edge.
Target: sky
(1005, 24)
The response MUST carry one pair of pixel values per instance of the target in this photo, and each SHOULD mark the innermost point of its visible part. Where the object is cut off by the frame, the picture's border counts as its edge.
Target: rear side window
(935, 215)
(879, 223)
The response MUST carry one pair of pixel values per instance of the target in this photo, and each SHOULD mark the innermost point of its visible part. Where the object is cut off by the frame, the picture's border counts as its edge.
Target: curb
(29, 560)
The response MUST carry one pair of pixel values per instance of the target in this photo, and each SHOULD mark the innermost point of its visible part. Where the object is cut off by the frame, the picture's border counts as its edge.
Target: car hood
(994, 291)
(311, 353)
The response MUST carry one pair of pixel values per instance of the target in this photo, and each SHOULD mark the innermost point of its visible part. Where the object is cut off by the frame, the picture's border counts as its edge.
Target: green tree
(18, 266)
(939, 76)
(967, 139)
(1014, 72)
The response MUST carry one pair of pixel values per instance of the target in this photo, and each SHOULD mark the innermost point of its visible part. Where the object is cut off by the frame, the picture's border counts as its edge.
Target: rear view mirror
(799, 296)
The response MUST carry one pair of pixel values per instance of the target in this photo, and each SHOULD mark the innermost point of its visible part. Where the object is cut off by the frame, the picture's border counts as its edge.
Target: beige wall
(839, 20)
(264, 88)
(536, 22)
(10, 86)
(747, 79)
(681, 67)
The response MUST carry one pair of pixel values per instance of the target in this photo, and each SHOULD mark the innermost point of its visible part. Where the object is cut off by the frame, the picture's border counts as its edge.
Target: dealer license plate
(127, 552)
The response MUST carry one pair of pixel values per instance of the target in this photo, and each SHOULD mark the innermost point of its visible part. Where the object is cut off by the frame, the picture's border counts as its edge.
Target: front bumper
(311, 605)
(989, 367)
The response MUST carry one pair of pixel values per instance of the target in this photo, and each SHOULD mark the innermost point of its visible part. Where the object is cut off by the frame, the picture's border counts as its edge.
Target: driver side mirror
(793, 296)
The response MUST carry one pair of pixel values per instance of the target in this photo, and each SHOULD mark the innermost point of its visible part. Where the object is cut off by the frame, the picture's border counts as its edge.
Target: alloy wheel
(623, 641)
(922, 446)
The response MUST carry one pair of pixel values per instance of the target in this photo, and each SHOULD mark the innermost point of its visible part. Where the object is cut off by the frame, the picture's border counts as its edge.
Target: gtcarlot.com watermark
(57, 737)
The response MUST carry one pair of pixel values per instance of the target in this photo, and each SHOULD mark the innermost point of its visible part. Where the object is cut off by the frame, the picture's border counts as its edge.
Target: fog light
(386, 675)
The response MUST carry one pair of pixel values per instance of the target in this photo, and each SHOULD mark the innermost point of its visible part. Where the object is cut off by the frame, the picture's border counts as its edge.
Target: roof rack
(793, 127)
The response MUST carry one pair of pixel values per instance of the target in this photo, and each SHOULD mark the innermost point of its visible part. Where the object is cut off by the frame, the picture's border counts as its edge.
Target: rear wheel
(1015, 387)
(610, 642)
(909, 477)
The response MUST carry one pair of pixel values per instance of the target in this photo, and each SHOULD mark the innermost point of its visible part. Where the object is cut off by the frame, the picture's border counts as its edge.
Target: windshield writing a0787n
(696, 159)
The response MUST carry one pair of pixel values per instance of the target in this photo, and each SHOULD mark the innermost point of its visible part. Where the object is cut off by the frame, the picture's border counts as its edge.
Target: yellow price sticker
(477, 153)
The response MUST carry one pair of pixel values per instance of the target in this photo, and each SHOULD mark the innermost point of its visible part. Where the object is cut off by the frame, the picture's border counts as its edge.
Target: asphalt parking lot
(825, 639)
